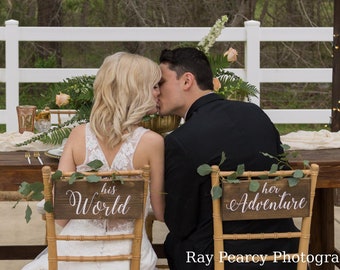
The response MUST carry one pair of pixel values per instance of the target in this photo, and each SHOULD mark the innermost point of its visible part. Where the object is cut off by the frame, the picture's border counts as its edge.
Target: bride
(125, 90)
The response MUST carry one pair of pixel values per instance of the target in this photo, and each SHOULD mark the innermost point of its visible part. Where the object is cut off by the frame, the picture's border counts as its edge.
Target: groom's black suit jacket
(212, 125)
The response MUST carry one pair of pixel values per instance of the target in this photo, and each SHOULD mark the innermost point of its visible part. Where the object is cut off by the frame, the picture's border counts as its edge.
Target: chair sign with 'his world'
(104, 199)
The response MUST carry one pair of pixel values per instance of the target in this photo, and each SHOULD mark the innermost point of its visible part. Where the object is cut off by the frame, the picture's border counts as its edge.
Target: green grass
(287, 128)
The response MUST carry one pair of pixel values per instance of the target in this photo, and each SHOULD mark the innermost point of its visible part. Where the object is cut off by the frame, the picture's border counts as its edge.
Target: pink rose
(231, 55)
(62, 99)
(216, 83)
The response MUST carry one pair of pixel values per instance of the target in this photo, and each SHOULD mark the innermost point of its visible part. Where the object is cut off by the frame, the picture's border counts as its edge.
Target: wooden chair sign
(273, 199)
(102, 200)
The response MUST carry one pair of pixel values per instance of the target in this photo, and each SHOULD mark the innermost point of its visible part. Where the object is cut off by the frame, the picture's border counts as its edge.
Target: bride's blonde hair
(122, 95)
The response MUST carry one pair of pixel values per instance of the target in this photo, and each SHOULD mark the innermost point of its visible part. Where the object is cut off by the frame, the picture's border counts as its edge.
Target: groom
(212, 126)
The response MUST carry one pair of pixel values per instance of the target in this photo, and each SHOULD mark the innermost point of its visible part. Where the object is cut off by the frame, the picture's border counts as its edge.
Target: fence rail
(251, 34)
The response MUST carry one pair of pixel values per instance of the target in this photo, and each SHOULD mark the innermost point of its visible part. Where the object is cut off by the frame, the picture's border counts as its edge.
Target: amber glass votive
(26, 114)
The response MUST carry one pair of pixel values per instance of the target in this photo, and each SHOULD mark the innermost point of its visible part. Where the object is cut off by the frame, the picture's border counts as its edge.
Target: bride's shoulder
(78, 131)
(150, 135)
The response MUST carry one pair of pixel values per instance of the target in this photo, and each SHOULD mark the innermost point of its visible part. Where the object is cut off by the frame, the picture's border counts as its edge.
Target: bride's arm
(150, 151)
(157, 180)
(66, 163)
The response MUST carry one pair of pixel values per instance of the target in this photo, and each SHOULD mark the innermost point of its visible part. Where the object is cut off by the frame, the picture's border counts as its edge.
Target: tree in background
(178, 13)
(49, 13)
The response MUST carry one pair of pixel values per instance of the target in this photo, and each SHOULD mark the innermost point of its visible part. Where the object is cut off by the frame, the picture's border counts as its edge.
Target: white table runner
(312, 140)
(8, 141)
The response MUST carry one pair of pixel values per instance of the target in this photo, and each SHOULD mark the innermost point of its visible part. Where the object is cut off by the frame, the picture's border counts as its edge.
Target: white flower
(208, 41)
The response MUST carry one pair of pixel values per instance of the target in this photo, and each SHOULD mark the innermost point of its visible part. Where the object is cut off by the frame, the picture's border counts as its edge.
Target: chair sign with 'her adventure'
(104, 199)
(274, 198)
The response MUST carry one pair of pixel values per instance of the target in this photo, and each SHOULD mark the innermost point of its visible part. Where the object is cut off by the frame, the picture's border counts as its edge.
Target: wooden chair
(59, 114)
(131, 185)
(274, 185)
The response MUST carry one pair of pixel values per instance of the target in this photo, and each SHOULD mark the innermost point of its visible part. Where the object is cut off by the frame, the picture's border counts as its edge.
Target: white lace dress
(122, 161)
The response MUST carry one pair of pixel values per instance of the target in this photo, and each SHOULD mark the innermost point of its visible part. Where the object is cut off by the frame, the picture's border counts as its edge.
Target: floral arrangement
(226, 83)
(73, 93)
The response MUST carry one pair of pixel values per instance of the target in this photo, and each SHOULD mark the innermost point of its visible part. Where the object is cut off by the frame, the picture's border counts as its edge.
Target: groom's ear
(188, 79)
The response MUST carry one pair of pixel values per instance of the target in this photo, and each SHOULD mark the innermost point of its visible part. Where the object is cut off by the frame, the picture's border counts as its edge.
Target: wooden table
(322, 229)
(14, 169)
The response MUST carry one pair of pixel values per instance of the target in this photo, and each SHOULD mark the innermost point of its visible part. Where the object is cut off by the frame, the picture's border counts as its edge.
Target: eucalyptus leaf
(233, 180)
(293, 181)
(95, 164)
(232, 176)
(306, 163)
(57, 175)
(24, 188)
(223, 158)
(48, 206)
(285, 147)
(254, 185)
(93, 178)
(298, 174)
(204, 169)
(267, 155)
(117, 178)
(240, 169)
(216, 192)
(274, 168)
(37, 187)
(74, 177)
(28, 213)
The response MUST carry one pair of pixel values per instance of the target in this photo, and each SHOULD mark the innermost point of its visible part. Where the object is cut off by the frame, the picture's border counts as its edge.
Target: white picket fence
(251, 34)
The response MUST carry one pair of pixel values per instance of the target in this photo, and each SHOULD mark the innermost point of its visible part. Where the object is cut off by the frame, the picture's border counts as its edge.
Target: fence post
(12, 74)
(252, 56)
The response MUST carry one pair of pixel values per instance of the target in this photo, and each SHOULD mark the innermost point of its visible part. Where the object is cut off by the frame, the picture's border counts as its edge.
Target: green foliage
(48, 206)
(34, 191)
(53, 136)
(233, 87)
(216, 192)
(254, 185)
(49, 62)
(30, 191)
(28, 213)
(95, 164)
(80, 90)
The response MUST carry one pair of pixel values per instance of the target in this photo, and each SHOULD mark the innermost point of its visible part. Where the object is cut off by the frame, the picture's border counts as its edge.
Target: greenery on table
(80, 90)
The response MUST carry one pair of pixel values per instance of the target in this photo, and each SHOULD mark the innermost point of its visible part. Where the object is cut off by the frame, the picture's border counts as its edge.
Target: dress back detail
(124, 157)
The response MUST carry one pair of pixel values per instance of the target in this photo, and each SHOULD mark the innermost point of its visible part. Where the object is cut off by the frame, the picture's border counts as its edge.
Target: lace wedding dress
(122, 161)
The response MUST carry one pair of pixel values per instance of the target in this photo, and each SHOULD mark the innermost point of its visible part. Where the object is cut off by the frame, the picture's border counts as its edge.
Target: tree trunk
(49, 14)
(336, 69)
